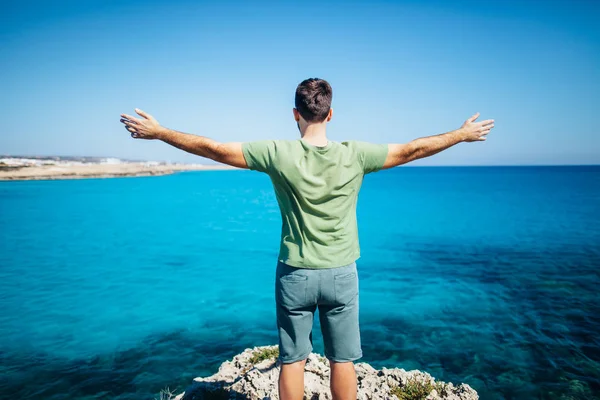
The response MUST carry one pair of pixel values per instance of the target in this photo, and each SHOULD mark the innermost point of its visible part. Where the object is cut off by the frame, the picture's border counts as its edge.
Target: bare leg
(291, 381)
(343, 380)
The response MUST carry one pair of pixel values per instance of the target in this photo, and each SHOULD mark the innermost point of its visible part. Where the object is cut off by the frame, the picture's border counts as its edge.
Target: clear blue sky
(228, 70)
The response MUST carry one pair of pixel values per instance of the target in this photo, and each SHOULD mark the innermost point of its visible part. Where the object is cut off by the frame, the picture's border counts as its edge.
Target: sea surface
(118, 288)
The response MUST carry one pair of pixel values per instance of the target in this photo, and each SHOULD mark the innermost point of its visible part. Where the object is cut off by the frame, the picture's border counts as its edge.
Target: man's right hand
(472, 131)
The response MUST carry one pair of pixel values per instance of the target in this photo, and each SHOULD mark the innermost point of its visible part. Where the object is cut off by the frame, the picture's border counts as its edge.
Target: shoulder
(288, 145)
(372, 156)
(354, 145)
(286, 142)
(263, 144)
(360, 145)
(270, 145)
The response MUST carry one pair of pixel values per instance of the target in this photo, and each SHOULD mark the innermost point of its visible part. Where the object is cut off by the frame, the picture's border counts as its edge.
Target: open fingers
(473, 117)
(486, 123)
(134, 133)
(485, 126)
(130, 118)
(128, 122)
(143, 114)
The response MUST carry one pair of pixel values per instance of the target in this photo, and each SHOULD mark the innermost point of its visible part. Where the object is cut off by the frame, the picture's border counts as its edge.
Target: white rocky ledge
(253, 375)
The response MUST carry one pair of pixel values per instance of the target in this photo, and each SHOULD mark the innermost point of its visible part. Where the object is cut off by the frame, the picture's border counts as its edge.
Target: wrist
(460, 134)
(161, 133)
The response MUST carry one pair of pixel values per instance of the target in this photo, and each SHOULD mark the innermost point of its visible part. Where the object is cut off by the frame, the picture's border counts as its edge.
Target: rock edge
(240, 379)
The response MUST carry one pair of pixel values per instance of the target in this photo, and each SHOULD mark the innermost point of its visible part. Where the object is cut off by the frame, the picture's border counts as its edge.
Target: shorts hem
(293, 359)
(344, 359)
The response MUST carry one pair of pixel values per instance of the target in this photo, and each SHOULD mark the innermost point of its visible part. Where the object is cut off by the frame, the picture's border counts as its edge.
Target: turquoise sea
(118, 288)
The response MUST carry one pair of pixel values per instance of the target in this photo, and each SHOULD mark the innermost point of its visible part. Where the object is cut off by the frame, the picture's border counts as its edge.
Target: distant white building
(22, 162)
(111, 161)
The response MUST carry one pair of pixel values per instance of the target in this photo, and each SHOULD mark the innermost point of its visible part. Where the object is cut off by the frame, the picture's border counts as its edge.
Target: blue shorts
(298, 293)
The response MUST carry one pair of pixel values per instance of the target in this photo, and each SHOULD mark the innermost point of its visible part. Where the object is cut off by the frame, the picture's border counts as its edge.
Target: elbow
(217, 152)
(414, 151)
(402, 154)
(230, 154)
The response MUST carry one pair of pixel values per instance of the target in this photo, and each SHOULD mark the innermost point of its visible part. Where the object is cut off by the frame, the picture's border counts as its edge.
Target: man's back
(317, 190)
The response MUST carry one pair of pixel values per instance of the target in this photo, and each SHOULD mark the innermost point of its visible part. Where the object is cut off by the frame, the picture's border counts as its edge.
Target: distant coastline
(20, 168)
(13, 168)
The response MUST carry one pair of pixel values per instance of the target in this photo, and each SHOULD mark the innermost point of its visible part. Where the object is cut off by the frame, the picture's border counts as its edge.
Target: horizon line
(216, 163)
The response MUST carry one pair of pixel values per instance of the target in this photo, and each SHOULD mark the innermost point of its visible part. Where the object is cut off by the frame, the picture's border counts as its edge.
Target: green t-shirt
(317, 191)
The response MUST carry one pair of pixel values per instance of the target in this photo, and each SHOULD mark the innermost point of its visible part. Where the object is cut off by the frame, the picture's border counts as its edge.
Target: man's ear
(296, 115)
(329, 115)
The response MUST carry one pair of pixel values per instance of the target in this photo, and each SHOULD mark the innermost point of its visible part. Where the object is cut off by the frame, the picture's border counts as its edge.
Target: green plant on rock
(264, 354)
(414, 389)
(441, 388)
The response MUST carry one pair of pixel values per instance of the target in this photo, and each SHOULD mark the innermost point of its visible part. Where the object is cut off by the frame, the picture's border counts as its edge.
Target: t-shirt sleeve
(259, 155)
(371, 156)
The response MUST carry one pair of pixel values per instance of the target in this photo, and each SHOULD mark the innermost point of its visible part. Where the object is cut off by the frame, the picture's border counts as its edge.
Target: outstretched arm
(148, 128)
(470, 131)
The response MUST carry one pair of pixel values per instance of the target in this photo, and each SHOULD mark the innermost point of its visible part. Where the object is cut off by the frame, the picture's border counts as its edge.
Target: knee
(294, 365)
(340, 364)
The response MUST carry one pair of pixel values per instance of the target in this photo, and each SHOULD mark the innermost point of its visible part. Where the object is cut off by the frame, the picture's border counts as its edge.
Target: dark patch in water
(170, 359)
(546, 332)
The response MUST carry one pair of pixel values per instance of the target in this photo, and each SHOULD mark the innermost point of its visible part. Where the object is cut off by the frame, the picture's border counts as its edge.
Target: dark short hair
(313, 99)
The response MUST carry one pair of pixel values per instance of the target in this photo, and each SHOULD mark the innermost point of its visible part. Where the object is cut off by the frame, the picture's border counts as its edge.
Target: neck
(315, 134)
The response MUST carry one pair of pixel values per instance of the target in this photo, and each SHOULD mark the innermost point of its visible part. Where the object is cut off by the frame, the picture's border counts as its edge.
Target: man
(316, 183)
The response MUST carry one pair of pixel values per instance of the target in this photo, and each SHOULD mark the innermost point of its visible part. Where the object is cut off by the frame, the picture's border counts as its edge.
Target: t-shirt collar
(317, 148)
